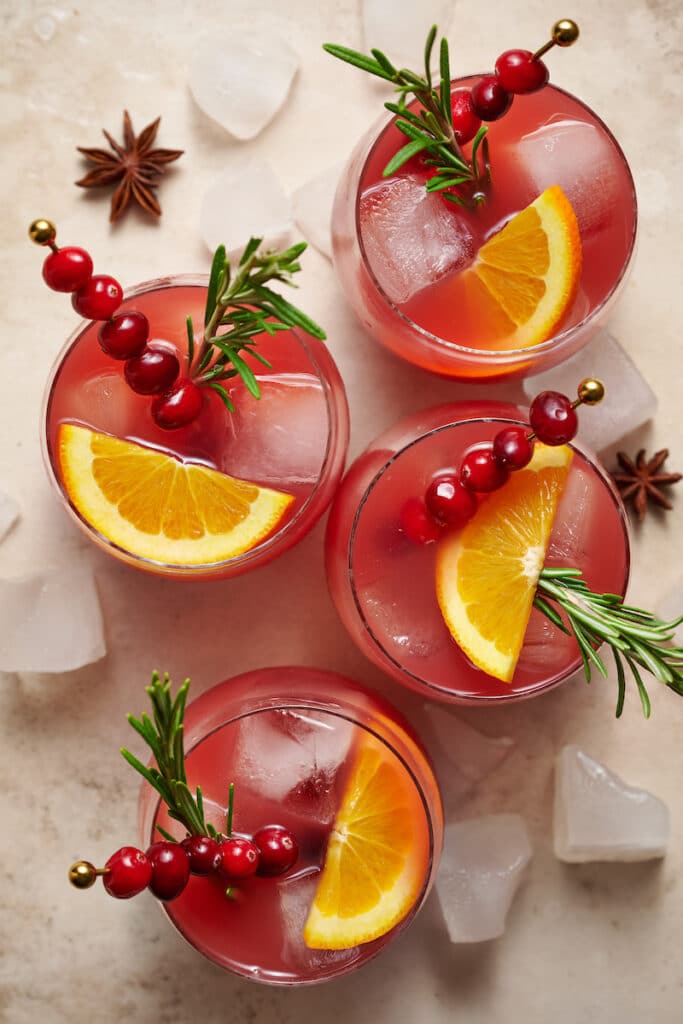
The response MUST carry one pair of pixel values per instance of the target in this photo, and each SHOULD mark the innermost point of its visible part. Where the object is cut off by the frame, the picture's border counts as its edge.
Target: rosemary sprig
(163, 734)
(430, 130)
(239, 306)
(637, 637)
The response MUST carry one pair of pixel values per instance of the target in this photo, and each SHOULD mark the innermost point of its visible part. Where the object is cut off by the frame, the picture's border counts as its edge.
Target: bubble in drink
(411, 237)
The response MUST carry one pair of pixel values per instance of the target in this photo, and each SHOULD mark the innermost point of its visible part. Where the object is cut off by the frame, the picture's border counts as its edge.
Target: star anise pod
(641, 481)
(135, 165)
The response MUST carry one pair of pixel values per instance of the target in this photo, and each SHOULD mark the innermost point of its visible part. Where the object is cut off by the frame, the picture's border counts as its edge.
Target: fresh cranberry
(513, 448)
(124, 336)
(278, 849)
(490, 98)
(204, 854)
(466, 124)
(552, 418)
(480, 471)
(178, 406)
(449, 502)
(68, 269)
(129, 872)
(170, 869)
(519, 72)
(98, 298)
(239, 858)
(152, 372)
(415, 521)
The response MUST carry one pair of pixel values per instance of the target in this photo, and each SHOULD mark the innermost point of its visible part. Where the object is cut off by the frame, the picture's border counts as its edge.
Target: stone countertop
(583, 944)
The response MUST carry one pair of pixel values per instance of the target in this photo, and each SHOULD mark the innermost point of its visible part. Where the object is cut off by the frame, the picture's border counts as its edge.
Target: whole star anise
(134, 164)
(641, 481)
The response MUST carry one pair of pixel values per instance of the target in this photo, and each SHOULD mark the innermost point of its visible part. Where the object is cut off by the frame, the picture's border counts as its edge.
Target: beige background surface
(584, 944)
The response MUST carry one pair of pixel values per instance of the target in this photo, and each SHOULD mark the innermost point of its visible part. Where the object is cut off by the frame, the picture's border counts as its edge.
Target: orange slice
(377, 855)
(527, 275)
(159, 508)
(486, 574)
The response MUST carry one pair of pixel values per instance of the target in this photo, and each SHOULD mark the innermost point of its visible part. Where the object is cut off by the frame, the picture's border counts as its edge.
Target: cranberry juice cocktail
(392, 572)
(208, 471)
(422, 273)
(315, 754)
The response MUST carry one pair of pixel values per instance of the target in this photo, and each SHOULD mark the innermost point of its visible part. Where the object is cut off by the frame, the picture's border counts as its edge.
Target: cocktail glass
(293, 439)
(383, 584)
(289, 739)
(400, 252)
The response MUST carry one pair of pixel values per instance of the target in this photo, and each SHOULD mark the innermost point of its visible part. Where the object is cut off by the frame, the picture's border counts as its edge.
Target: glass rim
(181, 568)
(351, 715)
(424, 685)
(502, 356)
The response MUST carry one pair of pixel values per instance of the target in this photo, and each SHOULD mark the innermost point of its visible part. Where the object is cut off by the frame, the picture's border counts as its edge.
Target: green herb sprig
(164, 735)
(430, 130)
(239, 306)
(638, 639)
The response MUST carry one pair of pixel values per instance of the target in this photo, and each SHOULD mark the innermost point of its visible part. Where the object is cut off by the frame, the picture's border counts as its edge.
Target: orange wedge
(159, 508)
(486, 574)
(526, 276)
(377, 856)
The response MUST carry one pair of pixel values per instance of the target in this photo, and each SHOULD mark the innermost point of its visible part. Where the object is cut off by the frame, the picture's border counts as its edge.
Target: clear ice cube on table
(246, 200)
(462, 756)
(9, 513)
(241, 80)
(294, 756)
(411, 236)
(50, 622)
(482, 864)
(281, 438)
(599, 817)
(296, 893)
(312, 208)
(629, 400)
(580, 158)
(399, 27)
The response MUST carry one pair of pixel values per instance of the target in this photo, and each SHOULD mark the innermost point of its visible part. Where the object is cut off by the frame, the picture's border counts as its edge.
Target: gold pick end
(565, 32)
(42, 232)
(591, 391)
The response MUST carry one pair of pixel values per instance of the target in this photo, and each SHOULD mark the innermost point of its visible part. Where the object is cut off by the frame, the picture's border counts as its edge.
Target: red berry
(415, 521)
(466, 124)
(204, 854)
(480, 471)
(68, 269)
(124, 336)
(513, 448)
(490, 99)
(152, 372)
(278, 849)
(98, 298)
(129, 872)
(178, 406)
(239, 858)
(552, 418)
(449, 502)
(170, 869)
(519, 72)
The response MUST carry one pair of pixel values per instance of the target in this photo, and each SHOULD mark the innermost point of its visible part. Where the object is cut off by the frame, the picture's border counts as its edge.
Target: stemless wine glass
(302, 746)
(400, 252)
(384, 585)
(293, 440)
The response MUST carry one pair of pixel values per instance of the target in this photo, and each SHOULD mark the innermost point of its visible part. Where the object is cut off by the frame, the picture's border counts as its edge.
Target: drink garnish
(490, 573)
(377, 855)
(446, 121)
(238, 309)
(640, 480)
(134, 164)
(165, 867)
(160, 508)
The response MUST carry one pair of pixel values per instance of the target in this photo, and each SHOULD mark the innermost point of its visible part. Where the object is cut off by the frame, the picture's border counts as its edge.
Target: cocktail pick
(564, 33)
